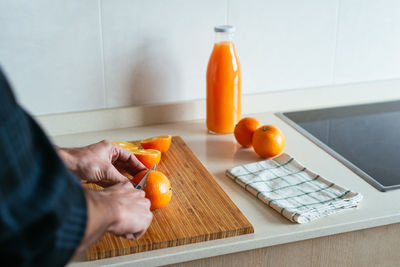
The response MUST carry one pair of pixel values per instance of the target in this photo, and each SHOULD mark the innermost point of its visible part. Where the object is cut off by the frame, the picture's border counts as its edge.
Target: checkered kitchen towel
(291, 189)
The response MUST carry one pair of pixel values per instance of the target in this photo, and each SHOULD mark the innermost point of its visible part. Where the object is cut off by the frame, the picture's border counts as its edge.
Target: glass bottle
(223, 83)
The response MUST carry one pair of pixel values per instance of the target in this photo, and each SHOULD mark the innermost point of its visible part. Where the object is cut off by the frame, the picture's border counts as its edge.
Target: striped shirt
(42, 205)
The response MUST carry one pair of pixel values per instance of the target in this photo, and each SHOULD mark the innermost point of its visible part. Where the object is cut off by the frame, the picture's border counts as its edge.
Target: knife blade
(142, 182)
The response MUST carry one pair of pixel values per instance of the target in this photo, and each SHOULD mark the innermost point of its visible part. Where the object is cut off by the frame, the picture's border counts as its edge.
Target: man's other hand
(98, 163)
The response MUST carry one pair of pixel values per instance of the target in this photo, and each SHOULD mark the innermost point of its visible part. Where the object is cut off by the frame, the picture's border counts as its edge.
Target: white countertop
(220, 152)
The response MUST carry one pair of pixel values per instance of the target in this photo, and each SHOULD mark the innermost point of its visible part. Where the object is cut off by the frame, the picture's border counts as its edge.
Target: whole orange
(158, 188)
(268, 141)
(245, 129)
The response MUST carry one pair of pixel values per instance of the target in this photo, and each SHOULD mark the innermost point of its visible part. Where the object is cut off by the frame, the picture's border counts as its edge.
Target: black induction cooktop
(365, 138)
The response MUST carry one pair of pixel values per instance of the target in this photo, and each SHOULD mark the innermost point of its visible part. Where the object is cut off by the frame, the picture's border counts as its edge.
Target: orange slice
(161, 143)
(126, 145)
(148, 157)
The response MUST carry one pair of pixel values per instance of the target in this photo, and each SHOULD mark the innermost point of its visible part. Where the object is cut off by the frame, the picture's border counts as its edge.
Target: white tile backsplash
(65, 56)
(51, 51)
(284, 44)
(368, 41)
(156, 51)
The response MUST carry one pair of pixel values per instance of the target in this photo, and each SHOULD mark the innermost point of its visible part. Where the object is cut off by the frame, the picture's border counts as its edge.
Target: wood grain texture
(199, 210)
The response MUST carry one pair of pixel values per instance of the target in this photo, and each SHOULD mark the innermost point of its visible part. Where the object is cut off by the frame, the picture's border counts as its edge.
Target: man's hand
(131, 210)
(119, 209)
(97, 163)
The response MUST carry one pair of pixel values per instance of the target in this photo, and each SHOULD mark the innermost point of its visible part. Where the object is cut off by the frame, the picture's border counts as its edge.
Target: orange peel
(158, 188)
(160, 143)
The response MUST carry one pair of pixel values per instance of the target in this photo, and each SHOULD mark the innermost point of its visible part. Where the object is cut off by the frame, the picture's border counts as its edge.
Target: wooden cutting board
(198, 211)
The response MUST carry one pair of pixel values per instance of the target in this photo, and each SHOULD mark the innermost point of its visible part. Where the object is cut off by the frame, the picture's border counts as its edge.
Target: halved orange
(161, 143)
(148, 157)
(126, 145)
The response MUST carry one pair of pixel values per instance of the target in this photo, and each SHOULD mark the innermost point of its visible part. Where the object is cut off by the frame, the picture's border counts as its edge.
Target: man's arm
(45, 214)
(42, 205)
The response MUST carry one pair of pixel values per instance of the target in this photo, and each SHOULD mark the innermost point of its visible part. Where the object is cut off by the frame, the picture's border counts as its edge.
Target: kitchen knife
(142, 182)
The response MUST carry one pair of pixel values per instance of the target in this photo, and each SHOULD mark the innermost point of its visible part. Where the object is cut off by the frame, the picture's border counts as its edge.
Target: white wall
(74, 55)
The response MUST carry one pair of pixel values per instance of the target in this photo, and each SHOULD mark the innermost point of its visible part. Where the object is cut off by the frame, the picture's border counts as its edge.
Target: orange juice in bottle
(223, 83)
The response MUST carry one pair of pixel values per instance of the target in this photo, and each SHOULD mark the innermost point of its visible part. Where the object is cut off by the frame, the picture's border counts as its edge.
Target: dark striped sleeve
(42, 204)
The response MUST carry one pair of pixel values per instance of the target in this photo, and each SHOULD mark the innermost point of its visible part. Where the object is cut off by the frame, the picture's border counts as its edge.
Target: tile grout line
(227, 12)
(102, 53)
(336, 43)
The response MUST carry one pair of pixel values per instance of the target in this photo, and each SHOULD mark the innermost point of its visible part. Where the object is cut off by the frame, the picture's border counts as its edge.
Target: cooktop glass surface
(366, 138)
